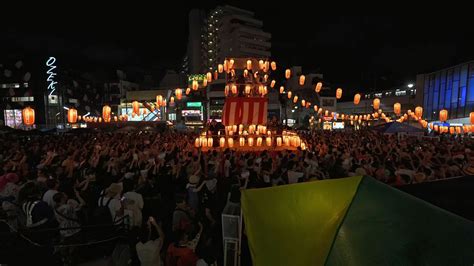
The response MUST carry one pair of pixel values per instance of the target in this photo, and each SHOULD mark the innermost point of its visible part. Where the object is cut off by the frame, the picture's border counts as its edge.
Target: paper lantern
(451, 130)
(115, 118)
(159, 100)
(209, 76)
(246, 73)
(320, 110)
(230, 142)
(222, 142)
(295, 99)
(135, 108)
(326, 113)
(261, 64)
(376, 103)
(210, 142)
(234, 89)
(216, 75)
(28, 114)
(232, 73)
(179, 93)
(248, 89)
(289, 94)
(471, 117)
(106, 113)
(397, 108)
(72, 115)
(234, 128)
(357, 99)
(251, 129)
(272, 84)
(282, 89)
(259, 141)
(268, 141)
(315, 108)
(242, 141)
(220, 68)
(338, 93)
(308, 104)
(287, 74)
(204, 82)
(302, 80)
(195, 85)
(188, 91)
(443, 115)
(266, 67)
(436, 128)
(424, 123)
(231, 64)
(197, 143)
(249, 64)
(318, 87)
(278, 141)
(241, 127)
(458, 130)
(100, 119)
(286, 140)
(273, 65)
(226, 90)
(79, 118)
(303, 103)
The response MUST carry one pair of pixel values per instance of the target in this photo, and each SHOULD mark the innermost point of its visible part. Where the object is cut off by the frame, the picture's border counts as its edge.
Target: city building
(451, 89)
(225, 32)
(405, 95)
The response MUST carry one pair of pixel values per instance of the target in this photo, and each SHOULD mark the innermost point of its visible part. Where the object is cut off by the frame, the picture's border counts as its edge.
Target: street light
(410, 85)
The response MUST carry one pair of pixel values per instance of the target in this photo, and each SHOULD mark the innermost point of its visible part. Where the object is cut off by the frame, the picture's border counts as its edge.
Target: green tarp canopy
(351, 221)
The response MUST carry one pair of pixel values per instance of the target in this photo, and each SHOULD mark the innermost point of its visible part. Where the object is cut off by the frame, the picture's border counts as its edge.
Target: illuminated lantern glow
(419, 111)
(210, 142)
(209, 77)
(249, 64)
(197, 143)
(315, 108)
(100, 119)
(471, 117)
(443, 115)
(250, 141)
(265, 90)
(172, 100)
(458, 130)
(28, 115)
(268, 141)
(222, 142)
(287, 74)
(266, 67)
(289, 94)
(79, 118)
(326, 113)
(179, 93)
(106, 113)
(246, 73)
(273, 65)
(261, 64)
(204, 82)
(303, 103)
(216, 74)
(357, 99)
(272, 84)
(203, 142)
(234, 89)
(278, 141)
(231, 64)
(95, 120)
(195, 85)
(308, 104)
(72, 115)
(376, 103)
(226, 65)
(295, 99)
(338, 93)
(241, 128)
(241, 141)
(159, 100)
(115, 118)
(234, 128)
(135, 108)
(451, 130)
(230, 142)
(259, 141)
(397, 108)
(302, 80)
(320, 110)
(318, 87)
(226, 90)
(248, 89)
(188, 91)
(255, 75)
(265, 78)
(286, 140)
(282, 89)
(220, 68)
(409, 112)
(436, 128)
(232, 73)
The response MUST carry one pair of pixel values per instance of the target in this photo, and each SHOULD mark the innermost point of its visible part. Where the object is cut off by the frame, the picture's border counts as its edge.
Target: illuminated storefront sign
(193, 104)
(51, 74)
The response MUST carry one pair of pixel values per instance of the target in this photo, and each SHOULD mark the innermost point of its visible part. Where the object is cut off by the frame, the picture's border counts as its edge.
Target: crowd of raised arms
(171, 195)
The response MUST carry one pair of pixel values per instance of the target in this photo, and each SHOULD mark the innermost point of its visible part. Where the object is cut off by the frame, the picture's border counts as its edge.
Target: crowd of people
(167, 196)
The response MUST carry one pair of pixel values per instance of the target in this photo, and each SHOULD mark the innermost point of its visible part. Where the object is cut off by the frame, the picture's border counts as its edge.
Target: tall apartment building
(226, 31)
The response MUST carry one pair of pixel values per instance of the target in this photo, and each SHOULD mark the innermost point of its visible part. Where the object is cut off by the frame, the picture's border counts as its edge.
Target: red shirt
(180, 256)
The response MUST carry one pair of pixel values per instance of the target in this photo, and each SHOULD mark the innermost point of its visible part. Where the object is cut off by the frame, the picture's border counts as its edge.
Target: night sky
(356, 52)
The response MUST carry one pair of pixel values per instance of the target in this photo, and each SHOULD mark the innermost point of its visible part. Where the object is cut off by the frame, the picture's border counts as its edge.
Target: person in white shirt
(133, 203)
(149, 247)
(53, 186)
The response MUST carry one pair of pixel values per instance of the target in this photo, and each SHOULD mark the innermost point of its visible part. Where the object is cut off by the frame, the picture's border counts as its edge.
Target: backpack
(101, 214)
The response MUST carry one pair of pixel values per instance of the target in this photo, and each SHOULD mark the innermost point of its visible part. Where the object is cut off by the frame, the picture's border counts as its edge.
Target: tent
(396, 127)
(351, 221)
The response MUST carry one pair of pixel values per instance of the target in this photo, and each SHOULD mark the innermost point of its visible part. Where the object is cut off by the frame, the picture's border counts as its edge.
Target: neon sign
(51, 74)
